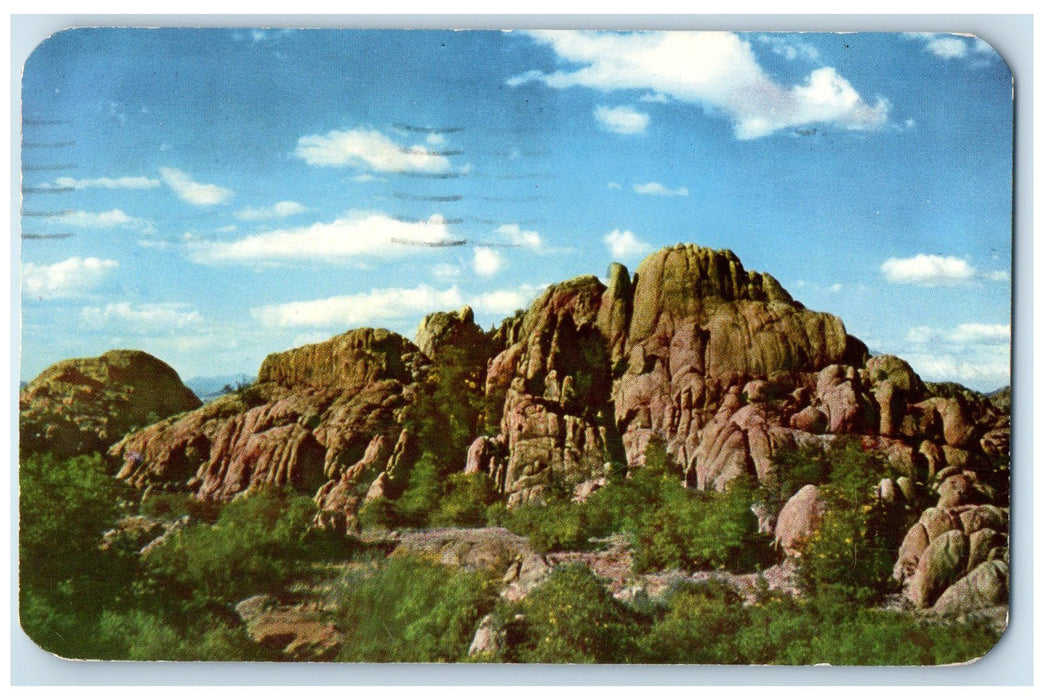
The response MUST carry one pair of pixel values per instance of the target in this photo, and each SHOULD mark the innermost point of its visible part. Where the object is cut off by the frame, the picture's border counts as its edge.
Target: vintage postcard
(615, 347)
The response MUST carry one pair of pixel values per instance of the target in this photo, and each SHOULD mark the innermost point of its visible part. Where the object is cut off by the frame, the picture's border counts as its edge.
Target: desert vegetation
(609, 477)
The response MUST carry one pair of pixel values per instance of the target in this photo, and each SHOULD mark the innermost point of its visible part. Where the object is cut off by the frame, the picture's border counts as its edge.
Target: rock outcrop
(718, 364)
(323, 418)
(955, 559)
(85, 405)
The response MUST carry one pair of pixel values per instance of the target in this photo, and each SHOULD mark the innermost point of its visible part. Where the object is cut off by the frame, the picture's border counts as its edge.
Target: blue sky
(231, 193)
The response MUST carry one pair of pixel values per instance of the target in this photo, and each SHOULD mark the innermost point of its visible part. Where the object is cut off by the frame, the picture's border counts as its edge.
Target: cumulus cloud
(935, 271)
(114, 218)
(716, 70)
(655, 188)
(140, 318)
(979, 333)
(71, 277)
(624, 244)
(108, 183)
(977, 354)
(356, 235)
(513, 234)
(370, 149)
(188, 190)
(789, 47)
(373, 307)
(505, 301)
(279, 210)
(621, 120)
(955, 46)
(487, 262)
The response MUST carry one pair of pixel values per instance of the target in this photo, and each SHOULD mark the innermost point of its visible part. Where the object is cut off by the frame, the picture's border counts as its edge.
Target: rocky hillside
(719, 364)
(85, 405)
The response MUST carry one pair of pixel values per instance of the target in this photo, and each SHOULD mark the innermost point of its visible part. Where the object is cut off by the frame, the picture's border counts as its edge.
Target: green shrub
(172, 505)
(794, 468)
(423, 490)
(139, 635)
(65, 579)
(831, 628)
(573, 618)
(259, 543)
(698, 627)
(858, 540)
(64, 507)
(558, 526)
(411, 609)
(380, 514)
(465, 502)
(699, 530)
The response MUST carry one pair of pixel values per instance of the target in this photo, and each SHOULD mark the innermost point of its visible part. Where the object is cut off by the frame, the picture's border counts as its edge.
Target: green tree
(65, 578)
(857, 542)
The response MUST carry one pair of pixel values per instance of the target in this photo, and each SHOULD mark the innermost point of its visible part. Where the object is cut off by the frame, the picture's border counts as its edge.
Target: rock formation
(719, 364)
(85, 405)
(323, 418)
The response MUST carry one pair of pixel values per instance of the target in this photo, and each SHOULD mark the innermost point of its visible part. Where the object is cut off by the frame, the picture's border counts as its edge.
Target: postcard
(570, 346)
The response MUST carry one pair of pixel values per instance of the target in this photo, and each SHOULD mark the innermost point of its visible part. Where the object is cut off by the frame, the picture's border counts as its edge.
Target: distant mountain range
(210, 388)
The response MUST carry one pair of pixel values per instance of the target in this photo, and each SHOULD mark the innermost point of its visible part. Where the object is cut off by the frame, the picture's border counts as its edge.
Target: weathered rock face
(323, 417)
(297, 632)
(84, 405)
(557, 423)
(955, 559)
(800, 520)
(441, 332)
(702, 327)
(719, 363)
(346, 362)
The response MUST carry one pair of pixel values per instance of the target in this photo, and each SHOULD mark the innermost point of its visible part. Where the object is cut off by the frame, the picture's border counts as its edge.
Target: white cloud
(928, 270)
(964, 333)
(375, 306)
(109, 183)
(716, 70)
(140, 318)
(624, 244)
(278, 210)
(505, 301)
(193, 192)
(487, 261)
(621, 120)
(614, 185)
(984, 373)
(935, 271)
(114, 218)
(367, 148)
(513, 234)
(356, 235)
(948, 47)
(955, 46)
(790, 48)
(655, 188)
(69, 278)
(976, 354)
